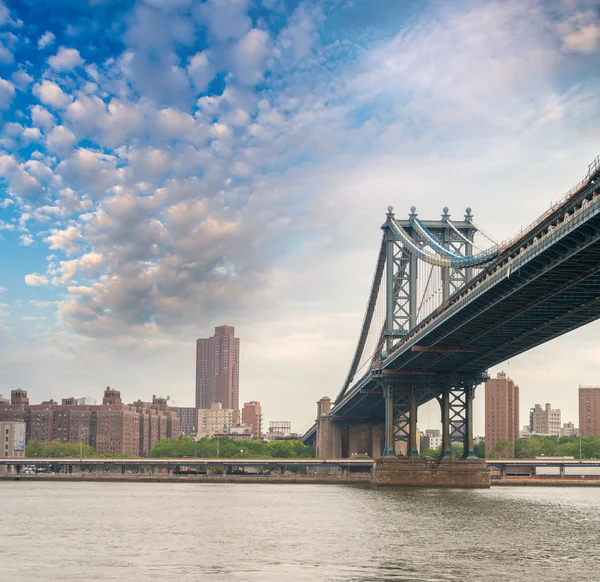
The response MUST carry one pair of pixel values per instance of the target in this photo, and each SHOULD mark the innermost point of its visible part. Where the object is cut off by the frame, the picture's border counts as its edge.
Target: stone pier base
(417, 472)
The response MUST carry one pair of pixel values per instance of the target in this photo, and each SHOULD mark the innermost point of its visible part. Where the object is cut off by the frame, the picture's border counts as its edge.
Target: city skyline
(250, 185)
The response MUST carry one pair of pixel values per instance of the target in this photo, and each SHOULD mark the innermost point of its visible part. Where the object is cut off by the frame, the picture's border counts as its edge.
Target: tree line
(228, 448)
(548, 446)
(222, 447)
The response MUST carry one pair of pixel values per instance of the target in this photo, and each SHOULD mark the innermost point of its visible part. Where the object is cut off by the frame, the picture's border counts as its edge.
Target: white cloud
(42, 117)
(200, 71)
(66, 59)
(6, 55)
(585, 40)
(21, 79)
(26, 240)
(35, 280)
(226, 19)
(249, 56)
(50, 93)
(67, 240)
(7, 93)
(32, 134)
(61, 140)
(46, 40)
(19, 179)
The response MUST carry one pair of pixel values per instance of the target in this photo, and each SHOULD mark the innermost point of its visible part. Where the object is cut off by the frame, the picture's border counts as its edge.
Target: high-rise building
(544, 420)
(501, 413)
(252, 416)
(218, 369)
(589, 411)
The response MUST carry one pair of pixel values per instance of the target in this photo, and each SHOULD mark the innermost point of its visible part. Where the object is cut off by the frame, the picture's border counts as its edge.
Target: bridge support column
(388, 395)
(413, 449)
(445, 406)
(376, 441)
(468, 451)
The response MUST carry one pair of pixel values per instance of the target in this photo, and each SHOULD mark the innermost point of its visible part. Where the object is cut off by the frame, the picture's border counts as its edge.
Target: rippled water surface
(156, 531)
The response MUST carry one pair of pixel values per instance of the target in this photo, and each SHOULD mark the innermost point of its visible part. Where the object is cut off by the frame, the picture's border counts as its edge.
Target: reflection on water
(142, 531)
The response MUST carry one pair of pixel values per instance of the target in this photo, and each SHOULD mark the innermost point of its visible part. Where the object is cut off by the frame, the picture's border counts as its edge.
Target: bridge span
(455, 304)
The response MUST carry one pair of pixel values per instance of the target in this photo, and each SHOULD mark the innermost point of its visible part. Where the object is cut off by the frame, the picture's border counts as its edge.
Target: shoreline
(357, 479)
(287, 479)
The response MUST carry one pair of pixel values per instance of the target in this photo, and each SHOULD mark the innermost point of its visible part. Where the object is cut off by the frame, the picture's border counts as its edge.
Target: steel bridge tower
(407, 246)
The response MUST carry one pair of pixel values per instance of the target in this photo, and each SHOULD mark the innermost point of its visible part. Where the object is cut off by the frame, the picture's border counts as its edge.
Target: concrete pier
(417, 472)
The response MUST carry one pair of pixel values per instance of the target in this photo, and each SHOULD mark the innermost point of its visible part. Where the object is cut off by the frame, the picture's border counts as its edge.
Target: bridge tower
(404, 393)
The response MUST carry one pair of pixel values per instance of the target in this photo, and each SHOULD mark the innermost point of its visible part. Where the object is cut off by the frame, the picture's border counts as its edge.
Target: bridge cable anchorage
(436, 259)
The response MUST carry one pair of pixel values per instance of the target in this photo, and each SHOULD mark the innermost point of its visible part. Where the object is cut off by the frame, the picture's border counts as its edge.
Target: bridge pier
(401, 399)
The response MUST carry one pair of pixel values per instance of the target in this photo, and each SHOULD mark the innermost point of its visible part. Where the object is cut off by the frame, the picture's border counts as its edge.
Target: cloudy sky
(167, 166)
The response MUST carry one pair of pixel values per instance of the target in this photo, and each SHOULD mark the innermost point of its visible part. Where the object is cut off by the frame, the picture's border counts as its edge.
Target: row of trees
(57, 449)
(186, 447)
(549, 446)
(225, 447)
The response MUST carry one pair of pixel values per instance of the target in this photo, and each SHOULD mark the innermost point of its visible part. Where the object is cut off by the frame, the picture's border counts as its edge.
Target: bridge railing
(526, 230)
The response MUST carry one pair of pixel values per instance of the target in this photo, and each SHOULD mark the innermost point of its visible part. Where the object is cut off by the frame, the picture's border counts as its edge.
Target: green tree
(432, 453)
(503, 449)
(479, 449)
(57, 449)
(35, 449)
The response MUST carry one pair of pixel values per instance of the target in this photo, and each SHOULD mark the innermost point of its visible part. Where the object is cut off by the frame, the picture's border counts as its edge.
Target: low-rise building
(252, 416)
(216, 420)
(544, 420)
(12, 439)
(569, 429)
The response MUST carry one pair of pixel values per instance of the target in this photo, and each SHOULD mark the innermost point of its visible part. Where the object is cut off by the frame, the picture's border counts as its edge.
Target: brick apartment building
(218, 369)
(252, 416)
(501, 412)
(111, 428)
(589, 411)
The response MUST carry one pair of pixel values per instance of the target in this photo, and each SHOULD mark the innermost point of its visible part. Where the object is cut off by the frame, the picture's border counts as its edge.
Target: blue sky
(171, 165)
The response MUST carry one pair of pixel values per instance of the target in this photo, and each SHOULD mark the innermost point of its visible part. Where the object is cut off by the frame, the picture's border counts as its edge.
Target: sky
(168, 166)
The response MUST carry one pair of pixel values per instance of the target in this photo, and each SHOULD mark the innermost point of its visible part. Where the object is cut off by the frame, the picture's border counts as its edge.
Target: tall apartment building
(218, 369)
(589, 411)
(501, 411)
(544, 420)
(252, 416)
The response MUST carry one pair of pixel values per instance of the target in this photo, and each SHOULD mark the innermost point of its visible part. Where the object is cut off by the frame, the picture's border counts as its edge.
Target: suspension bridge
(447, 302)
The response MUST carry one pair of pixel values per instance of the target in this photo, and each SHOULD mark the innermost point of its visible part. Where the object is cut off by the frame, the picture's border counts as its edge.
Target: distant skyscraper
(218, 369)
(589, 411)
(501, 411)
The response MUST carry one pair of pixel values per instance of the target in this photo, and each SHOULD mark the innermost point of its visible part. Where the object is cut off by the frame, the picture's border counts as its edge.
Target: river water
(230, 532)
